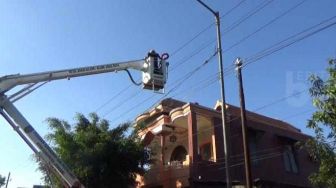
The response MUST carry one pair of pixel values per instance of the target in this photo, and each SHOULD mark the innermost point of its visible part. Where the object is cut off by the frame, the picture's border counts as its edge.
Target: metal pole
(7, 180)
(248, 176)
(224, 122)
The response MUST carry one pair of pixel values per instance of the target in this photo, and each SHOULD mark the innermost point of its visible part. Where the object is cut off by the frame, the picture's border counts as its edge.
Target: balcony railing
(174, 174)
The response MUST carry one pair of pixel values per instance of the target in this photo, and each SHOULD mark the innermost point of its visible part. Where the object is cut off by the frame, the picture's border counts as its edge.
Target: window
(206, 151)
(253, 138)
(179, 154)
(289, 159)
(253, 151)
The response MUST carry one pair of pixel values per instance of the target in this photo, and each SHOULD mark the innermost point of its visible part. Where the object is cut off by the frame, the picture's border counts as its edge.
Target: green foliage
(2, 180)
(99, 156)
(323, 147)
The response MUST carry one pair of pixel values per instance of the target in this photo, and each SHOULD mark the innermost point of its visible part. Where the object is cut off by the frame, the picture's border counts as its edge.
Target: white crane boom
(8, 82)
(154, 74)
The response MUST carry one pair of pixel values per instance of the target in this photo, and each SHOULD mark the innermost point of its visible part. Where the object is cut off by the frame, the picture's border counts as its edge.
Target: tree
(99, 156)
(323, 146)
(2, 180)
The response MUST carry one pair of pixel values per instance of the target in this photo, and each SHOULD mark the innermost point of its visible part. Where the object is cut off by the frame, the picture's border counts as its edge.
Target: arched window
(179, 154)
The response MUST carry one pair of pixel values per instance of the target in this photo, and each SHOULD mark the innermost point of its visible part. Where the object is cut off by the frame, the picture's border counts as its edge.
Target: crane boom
(8, 82)
(154, 73)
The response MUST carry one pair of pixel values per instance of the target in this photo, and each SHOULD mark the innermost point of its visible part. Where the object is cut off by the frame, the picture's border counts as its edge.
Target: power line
(301, 38)
(133, 107)
(208, 82)
(281, 99)
(201, 85)
(254, 155)
(298, 114)
(112, 98)
(120, 104)
(258, 159)
(176, 51)
(192, 39)
(219, 164)
(187, 76)
(270, 51)
(265, 25)
(177, 85)
(231, 27)
(287, 42)
(253, 12)
(247, 16)
(186, 59)
(206, 28)
(232, 9)
(228, 29)
(254, 158)
(257, 109)
(275, 47)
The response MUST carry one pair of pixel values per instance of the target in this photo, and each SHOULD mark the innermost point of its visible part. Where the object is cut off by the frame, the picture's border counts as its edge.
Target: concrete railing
(172, 175)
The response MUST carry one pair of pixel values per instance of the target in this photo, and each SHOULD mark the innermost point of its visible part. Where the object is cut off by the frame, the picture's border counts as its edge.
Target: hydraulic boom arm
(154, 71)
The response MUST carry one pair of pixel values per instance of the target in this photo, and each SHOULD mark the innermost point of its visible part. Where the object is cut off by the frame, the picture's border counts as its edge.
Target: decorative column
(165, 172)
(163, 145)
(192, 147)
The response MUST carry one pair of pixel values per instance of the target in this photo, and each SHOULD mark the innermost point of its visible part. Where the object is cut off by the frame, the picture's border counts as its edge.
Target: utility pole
(224, 122)
(7, 180)
(248, 177)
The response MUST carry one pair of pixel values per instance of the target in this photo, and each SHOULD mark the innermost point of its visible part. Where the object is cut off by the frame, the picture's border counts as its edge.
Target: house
(186, 140)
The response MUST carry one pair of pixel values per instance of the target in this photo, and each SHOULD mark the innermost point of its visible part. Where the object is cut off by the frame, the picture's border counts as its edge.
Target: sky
(37, 36)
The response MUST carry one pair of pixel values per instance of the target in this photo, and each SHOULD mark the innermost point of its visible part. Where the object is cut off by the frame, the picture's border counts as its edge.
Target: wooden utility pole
(248, 176)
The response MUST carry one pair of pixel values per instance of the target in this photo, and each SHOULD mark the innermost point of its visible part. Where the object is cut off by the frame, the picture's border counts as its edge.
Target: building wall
(268, 160)
(267, 153)
(267, 165)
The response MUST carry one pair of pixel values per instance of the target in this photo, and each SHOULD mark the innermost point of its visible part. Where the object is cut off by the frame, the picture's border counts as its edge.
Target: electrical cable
(265, 25)
(119, 104)
(321, 29)
(130, 76)
(286, 42)
(298, 114)
(238, 117)
(187, 76)
(206, 28)
(219, 164)
(112, 98)
(244, 18)
(282, 47)
(196, 52)
(255, 158)
(228, 29)
(247, 16)
(176, 51)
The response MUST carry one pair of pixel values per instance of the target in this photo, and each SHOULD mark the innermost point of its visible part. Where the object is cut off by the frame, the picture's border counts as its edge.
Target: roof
(163, 107)
(168, 105)
(234, 110)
